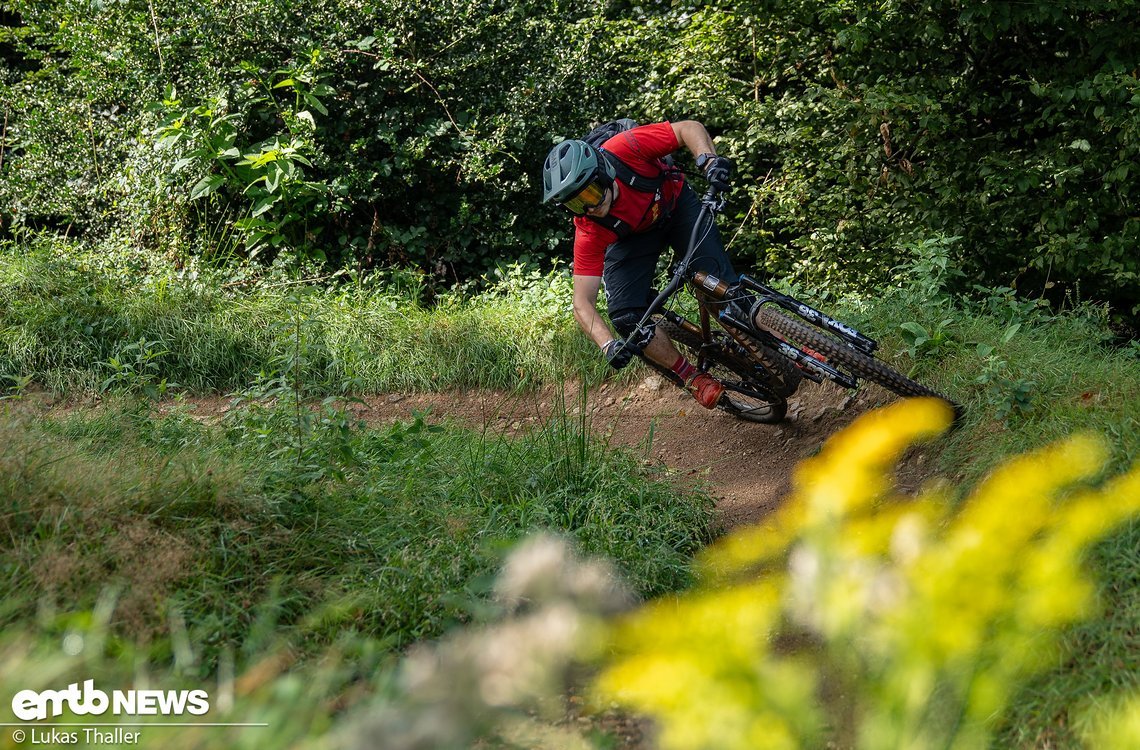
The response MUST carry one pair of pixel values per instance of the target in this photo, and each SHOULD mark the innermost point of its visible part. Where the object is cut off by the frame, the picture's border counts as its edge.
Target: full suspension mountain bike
(759, 351)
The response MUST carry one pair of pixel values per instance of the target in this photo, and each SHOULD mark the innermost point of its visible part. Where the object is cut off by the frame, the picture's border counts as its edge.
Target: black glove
(718, 172)
(618, 353)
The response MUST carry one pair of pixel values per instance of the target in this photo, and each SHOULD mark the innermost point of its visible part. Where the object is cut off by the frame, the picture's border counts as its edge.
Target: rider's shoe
(706, 389)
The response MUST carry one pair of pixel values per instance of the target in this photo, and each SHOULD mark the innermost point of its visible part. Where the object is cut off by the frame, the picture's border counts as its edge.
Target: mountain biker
(620, 232)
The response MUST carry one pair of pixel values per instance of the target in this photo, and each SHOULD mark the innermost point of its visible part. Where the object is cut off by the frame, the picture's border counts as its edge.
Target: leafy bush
(368, 133)
(860, 128)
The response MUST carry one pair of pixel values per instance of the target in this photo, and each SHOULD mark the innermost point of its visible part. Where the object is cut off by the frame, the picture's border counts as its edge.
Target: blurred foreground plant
(873, 619)
(489, 683)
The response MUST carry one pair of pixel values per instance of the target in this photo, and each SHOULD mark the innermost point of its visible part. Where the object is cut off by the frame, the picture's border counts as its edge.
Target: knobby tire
(839, 353)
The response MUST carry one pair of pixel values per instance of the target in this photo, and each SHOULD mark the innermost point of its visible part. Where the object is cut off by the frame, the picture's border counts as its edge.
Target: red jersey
(640, 149)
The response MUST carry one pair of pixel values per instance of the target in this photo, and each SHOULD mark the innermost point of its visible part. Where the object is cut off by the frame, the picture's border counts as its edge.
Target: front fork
(706, 338)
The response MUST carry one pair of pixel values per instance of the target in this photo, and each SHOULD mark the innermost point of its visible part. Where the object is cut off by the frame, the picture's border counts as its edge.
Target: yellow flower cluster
(874, 619)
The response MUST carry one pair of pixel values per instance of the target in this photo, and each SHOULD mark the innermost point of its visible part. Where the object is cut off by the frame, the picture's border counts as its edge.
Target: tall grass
(69, 324)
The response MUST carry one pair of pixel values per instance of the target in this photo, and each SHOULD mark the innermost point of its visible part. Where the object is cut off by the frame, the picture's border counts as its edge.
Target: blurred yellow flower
(893, 622)
(1114, 727)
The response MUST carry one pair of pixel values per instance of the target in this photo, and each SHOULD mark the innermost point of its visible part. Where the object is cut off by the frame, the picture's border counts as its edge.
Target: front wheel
(746, 396)
(838, 353)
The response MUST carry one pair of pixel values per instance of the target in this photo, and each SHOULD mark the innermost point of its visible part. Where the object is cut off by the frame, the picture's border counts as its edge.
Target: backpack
(626, 175)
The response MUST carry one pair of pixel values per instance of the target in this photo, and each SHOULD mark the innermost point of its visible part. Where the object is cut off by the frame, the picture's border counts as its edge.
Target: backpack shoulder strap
(615, 225)
(638, 182)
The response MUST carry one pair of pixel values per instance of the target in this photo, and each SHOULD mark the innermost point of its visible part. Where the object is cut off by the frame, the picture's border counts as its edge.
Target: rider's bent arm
(586, 309)
(693, 136)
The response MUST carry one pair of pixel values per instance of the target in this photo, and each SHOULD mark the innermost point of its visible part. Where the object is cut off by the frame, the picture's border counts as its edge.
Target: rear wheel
(749, 395)
(838, 353)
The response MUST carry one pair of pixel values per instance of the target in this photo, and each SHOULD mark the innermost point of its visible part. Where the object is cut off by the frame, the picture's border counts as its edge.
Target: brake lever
(643, 334)
(715, 200)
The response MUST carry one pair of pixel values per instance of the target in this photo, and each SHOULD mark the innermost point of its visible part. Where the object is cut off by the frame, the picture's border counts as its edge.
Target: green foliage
(377, 133)
(368, 133)
(861, 127)
(927, 276)
(135, 367)
(1007, 394)
(921, 341)
(281, 208)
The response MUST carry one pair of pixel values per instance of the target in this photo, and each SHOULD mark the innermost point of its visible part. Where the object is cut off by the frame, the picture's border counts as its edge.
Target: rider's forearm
(586, 290)
(693, 136)
(592, 324)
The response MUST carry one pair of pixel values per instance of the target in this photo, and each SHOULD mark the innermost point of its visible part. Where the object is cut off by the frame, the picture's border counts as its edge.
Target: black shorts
(631, 262)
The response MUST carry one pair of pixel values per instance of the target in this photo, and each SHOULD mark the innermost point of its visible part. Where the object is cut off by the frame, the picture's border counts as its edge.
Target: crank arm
(739, 387)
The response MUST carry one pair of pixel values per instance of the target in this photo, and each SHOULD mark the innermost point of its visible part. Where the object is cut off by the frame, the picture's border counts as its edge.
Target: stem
(755, 74)
(3, 138)
(740, 228)
(748, 215)
(442, 103)
(157, 44)
(265, 85)
(246, 282)
(424, 80)
(297, 382)
(94, 149)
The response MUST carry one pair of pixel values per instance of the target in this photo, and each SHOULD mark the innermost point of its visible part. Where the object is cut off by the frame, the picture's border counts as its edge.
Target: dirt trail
(746, 467)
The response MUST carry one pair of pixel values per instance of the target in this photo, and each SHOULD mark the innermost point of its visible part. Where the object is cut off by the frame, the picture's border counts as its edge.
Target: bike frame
(813, 368)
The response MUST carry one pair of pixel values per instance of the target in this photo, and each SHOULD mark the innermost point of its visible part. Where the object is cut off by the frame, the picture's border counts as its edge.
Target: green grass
(266, 527)
(69, 324)
(1047, 376)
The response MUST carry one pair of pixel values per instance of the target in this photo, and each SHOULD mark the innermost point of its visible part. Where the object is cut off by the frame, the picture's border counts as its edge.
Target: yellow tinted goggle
(589, 197)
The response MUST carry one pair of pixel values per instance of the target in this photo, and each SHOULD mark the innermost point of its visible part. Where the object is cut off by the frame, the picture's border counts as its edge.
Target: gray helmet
(571, 166)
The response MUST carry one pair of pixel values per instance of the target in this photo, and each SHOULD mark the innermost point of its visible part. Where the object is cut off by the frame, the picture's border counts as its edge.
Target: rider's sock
(684, 369)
